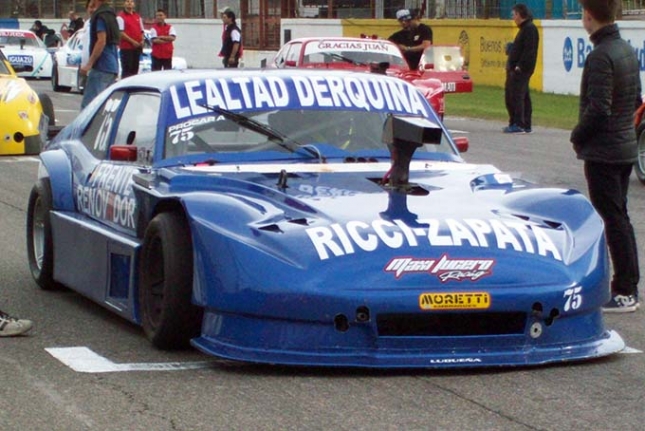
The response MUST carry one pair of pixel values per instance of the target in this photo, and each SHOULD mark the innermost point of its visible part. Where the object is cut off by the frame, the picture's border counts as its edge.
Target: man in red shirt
(131, 44)
(163, 35)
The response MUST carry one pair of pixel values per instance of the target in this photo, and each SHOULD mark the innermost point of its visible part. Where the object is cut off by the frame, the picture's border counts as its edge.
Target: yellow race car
(27, 118)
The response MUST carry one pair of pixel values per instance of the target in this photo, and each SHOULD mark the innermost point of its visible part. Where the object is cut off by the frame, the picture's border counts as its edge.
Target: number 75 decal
(572, 298)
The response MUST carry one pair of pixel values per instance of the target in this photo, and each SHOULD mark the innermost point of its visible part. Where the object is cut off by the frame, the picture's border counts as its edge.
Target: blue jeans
(97, 81)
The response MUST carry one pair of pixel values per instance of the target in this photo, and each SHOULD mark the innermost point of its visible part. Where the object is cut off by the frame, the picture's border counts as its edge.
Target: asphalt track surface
(82, 368)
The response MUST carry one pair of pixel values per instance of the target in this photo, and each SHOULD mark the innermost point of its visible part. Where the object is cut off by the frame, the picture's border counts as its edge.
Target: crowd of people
(114, 41)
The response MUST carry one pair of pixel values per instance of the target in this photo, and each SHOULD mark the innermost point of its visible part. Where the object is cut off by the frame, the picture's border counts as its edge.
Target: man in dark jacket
(522, 56)
(610, 92)
(231, 40)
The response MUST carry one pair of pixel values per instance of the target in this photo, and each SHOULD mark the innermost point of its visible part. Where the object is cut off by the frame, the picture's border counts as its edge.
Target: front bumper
(358, 344)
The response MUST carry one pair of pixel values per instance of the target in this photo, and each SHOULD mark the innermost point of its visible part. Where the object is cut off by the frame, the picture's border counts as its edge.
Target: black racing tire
(55, 85)
(639, 166)
(168, 317)
(48, 107)
(40, 248)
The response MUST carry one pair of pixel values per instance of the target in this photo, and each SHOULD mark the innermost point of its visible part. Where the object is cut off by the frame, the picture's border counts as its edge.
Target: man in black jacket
(610, 92)
(522, 56)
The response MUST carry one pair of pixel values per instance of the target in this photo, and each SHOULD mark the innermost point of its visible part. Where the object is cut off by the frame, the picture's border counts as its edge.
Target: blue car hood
(316, 214)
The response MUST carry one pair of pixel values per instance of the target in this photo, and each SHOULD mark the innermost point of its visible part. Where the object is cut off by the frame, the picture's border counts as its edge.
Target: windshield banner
(367, 93)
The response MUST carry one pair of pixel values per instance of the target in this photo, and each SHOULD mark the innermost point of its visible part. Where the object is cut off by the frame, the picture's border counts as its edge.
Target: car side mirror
(462, 143)
(123, 153)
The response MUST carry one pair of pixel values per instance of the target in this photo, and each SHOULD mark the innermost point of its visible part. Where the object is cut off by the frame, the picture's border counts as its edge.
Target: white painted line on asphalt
(84, 360)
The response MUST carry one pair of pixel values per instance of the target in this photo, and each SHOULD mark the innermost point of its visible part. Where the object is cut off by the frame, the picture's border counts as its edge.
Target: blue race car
(310, 217)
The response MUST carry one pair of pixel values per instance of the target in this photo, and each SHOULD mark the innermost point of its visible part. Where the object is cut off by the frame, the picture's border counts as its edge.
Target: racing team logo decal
(444, 268)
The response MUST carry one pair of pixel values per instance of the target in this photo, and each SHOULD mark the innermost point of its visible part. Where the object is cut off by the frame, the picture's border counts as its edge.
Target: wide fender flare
(55, 165)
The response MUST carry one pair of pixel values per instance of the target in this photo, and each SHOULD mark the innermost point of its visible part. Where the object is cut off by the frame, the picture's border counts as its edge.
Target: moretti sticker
(454, 301)
(368, 93)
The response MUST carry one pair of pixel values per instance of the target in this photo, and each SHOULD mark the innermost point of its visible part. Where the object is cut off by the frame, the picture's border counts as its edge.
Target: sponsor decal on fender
(445, 268)
(454, 301)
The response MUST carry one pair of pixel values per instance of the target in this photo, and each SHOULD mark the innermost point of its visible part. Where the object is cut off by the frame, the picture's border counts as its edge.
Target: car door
(121, 139)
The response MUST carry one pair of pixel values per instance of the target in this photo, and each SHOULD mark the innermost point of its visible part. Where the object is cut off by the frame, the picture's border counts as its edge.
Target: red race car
(363, 55)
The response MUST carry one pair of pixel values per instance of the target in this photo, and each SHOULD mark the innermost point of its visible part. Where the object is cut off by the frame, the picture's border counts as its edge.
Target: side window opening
(138, 125)
(97, 135)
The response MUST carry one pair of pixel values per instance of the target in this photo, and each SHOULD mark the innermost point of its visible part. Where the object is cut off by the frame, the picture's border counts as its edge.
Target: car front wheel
(639, 166)
(168, 317)
(40, 249)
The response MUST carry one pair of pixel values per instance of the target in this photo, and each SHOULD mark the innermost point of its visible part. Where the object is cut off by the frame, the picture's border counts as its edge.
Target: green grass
(486, 102)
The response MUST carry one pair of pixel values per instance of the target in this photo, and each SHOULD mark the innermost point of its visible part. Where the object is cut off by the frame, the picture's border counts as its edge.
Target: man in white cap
(413, 38)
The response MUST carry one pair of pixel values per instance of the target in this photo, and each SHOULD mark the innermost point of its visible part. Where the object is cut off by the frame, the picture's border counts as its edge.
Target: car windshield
(17, 40)
(283, 131)
(4, 70)
(356, 52)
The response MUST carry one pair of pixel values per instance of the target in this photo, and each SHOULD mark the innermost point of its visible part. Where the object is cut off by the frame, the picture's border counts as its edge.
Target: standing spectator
(231, 40)
(131, 45)
(11, 326)
(162, 35)
(102, 68)
(90, 7)
(413, 38)
(522, 56)
(75, 24)
(610, 92)
(40, 29)
(85, 44)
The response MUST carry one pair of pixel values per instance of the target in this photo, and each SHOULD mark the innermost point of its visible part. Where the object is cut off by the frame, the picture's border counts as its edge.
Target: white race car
(67, 61)
(26, 52)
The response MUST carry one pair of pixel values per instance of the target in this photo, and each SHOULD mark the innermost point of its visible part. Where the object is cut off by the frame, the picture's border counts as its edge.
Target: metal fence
(446, 9)
(60, 8)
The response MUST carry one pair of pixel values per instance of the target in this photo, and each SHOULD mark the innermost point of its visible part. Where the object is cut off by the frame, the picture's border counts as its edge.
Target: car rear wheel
(40, 249)
(168, 317)
(55, 85)
(639, 166)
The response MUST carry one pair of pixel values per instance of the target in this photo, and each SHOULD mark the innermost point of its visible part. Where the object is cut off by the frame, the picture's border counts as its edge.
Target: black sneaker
(621, 304)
